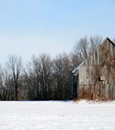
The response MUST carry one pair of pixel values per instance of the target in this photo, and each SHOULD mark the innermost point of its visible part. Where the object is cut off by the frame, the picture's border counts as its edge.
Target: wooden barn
(94, 78)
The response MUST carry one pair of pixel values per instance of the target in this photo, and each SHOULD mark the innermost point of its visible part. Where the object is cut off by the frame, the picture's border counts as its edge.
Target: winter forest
(44, 77)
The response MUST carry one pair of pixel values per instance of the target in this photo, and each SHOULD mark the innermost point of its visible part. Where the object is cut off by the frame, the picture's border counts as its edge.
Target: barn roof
(110, 41)
(77, 68)
(74, 71)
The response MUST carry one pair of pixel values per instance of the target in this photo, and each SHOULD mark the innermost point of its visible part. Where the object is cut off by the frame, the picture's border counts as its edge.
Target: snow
(57, 115)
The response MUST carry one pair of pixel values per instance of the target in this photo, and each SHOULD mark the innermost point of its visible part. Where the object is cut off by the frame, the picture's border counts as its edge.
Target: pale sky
(30, 27)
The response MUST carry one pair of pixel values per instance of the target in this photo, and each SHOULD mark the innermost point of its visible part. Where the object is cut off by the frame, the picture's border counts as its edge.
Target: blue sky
(30, 27)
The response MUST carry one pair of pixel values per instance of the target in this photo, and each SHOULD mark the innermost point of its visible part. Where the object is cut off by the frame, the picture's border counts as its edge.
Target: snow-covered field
(57, 115)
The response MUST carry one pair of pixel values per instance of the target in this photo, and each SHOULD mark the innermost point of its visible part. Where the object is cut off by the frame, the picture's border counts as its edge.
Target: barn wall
(100, 63)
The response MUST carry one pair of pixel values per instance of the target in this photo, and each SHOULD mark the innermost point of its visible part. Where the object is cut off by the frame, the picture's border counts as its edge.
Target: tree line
(44, 78)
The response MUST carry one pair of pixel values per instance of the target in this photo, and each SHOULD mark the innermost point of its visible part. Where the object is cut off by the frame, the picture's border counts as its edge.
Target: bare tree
(39, 77)
(3, 92)
(45, 74)
(15, 68)
(83, 48)
(62, 77)
(80, 51)
(94, 42)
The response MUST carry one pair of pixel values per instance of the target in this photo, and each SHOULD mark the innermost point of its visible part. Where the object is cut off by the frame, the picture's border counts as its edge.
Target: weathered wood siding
(100, 64)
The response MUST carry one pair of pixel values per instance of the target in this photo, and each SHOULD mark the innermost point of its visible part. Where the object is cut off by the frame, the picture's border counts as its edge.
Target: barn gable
(97, 72)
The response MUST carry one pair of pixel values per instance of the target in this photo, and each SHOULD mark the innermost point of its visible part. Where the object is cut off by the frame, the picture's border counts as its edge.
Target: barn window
(96, 57)
(101, 78)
